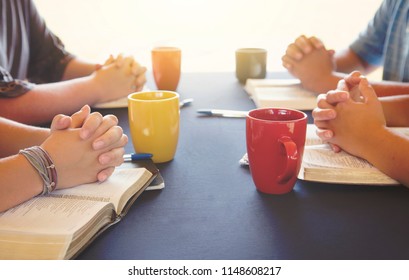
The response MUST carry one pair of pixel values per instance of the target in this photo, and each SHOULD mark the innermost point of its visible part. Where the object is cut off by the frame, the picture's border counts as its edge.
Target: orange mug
(166, 64)
(275, 139)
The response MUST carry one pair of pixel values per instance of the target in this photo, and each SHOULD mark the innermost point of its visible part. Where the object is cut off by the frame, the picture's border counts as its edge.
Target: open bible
(321, 164)
(62, 224)
(285, 93)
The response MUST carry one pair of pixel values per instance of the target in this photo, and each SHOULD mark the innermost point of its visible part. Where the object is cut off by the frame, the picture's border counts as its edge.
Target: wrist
(93, 88)
(322, 83)
(372, 141)
(44, 165)
(38, 136)
(36, 182)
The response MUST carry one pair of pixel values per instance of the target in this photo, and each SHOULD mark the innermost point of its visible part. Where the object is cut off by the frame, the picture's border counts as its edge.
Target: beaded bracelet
(43, 163)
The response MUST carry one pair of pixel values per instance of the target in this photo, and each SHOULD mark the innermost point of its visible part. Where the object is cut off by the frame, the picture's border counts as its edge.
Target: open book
(321, 164)
(117, 103)
(284, 93)
(62, 224)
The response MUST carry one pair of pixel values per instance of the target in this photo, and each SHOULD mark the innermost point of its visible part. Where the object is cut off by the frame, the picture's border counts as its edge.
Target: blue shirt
(385, 41)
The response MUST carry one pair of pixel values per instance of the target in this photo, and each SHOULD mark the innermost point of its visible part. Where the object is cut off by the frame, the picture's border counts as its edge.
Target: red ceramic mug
(275, 140)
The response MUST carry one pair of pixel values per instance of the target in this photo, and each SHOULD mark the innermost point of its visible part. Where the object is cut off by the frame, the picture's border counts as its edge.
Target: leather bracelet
(42, 162)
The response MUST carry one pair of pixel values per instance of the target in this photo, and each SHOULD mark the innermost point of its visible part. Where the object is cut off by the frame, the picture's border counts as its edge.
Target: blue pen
(137, 156)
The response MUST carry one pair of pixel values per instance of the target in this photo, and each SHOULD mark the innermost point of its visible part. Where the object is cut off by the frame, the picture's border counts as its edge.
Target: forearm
(43, 102)
(347, 61)
(16, 136)
(388, 88)
(19, 181)
(77, 68)
(396, 110)
(382, 89)
(389, 152)
(323, 84)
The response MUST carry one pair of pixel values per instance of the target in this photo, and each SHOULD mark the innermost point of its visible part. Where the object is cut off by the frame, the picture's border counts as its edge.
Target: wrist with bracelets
(44, 165)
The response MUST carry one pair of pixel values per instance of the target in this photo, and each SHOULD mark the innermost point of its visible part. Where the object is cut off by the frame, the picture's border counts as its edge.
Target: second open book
(285, 93)
(321, 164)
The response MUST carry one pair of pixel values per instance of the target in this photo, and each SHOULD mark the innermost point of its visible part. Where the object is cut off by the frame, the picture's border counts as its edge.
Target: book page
(404, 131)
(252, 84)
(58, 225)
(117, 189)
(46, 228)
(286, 93)
(323, 156)
(55, 215)
(287, 97)
(312, 137)
(118, 103)
(319, 154)
(321, 164)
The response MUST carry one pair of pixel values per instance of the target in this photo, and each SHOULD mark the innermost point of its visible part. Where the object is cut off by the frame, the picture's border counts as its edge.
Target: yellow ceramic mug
(154, 123)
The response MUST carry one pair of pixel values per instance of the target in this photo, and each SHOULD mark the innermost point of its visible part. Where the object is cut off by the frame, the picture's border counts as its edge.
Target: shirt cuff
(14, 88)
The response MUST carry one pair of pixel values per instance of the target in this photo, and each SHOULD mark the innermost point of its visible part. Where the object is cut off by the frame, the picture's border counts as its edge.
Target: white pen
(223, 113)
(185, 102)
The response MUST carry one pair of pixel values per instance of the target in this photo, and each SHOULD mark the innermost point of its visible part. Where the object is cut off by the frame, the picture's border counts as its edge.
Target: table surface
(210, 208)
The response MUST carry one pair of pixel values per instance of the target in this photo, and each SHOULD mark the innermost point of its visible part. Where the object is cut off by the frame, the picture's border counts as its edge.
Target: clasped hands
(118, 77)
(308, 60)
(347, 116)
(85, 147)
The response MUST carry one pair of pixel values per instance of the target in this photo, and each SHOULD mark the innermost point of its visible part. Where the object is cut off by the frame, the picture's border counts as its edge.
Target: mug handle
(292, 159)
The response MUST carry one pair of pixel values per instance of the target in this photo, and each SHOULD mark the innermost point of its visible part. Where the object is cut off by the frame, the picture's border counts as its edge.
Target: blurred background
(208, 31)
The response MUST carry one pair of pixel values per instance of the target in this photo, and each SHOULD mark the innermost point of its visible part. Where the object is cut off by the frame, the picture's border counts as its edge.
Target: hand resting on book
(80, 149)
(363, 127)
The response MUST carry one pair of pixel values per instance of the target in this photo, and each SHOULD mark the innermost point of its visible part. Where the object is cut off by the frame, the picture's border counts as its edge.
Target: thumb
(60, 122)
(342, 85)
(110, 60)
(368, 93)
(79, 117)
(353, 79)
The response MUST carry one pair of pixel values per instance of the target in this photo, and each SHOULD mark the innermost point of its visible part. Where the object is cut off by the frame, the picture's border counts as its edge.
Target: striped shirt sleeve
(10, 87)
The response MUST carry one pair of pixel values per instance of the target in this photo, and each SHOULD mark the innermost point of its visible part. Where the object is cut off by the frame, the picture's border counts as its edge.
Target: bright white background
(208, 31)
